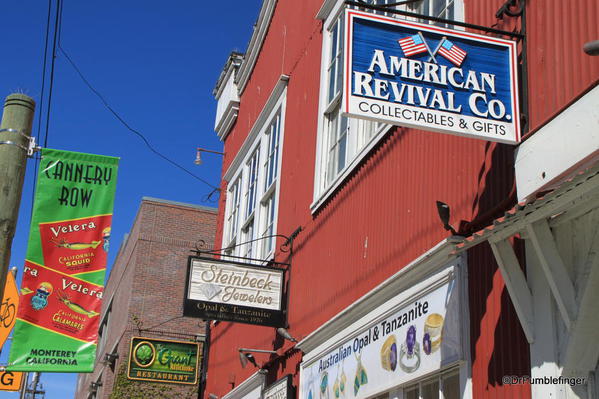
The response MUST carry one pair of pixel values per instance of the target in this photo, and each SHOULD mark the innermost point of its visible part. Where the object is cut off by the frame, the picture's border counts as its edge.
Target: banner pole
(24, 386)
(15, 132)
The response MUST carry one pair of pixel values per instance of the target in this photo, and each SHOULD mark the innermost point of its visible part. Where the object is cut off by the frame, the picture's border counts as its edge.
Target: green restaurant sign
(159, 360)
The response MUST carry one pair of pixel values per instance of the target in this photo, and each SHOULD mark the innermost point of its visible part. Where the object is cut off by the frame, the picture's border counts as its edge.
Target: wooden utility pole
(15, 133)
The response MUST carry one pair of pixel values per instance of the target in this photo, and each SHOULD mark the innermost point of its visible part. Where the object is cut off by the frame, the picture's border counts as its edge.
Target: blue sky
(156, 64)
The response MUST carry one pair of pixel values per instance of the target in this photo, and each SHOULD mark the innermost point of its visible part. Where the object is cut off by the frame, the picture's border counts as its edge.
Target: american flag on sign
(412, 45)
(452, 52)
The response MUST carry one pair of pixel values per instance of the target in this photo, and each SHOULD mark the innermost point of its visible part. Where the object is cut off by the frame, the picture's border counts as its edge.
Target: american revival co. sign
(233, 291)
(430, 78)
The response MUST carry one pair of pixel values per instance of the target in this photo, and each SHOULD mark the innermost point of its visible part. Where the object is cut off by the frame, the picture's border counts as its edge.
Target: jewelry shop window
(344, 141)
(441, 386)
(412, 345)
(445, 385)
(252, 196)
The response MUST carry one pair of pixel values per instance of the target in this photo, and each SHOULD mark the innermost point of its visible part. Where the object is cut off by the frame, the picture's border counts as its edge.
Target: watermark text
(545, 380)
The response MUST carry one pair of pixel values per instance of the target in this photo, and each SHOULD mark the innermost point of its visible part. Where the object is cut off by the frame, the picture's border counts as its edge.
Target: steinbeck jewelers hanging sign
(234, 291)
(411, 341)
(430, 78)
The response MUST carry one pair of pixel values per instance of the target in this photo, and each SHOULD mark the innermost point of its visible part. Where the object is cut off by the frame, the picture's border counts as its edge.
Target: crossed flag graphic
(416, 44)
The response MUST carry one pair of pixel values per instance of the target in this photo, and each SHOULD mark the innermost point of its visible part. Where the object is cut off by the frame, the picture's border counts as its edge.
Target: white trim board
(271, 103)
(251, 55)
(252, 383)
(383, 293)
(568, 143)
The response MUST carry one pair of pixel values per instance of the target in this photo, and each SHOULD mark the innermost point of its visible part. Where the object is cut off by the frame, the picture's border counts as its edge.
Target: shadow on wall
(497, 341)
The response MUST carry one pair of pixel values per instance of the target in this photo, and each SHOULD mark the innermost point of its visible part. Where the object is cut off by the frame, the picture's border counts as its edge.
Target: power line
(41, 108)
(56, 24)
(124, 123)
(39, 119)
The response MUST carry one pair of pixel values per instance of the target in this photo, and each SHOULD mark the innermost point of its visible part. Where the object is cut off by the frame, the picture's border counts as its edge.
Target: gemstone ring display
(409, 354)
(389, 354)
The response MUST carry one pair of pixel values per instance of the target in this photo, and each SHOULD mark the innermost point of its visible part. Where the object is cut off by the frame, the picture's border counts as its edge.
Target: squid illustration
(75, 245)
(64, 298)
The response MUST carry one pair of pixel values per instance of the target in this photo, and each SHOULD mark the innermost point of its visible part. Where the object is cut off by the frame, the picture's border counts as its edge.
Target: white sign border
(281, 273)
(350, 14)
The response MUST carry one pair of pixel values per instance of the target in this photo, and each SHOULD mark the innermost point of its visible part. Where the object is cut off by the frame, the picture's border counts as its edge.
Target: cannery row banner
(63, 280)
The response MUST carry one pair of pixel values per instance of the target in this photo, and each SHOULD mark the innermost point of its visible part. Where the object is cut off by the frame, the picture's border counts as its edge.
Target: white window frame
(357, 144)
(268, 201)
(458, 11)
(258, 141)
(420, 6)
(251, 188)
(439, 377)
(103, 331)
(233, 213)
(250, 197)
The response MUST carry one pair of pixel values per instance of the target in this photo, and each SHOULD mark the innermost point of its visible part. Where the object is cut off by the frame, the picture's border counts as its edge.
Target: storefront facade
(422, 332)
(383, 300)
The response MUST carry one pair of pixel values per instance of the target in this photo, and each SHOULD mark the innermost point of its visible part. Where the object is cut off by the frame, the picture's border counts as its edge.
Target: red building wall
(383, 216)
(560, 71)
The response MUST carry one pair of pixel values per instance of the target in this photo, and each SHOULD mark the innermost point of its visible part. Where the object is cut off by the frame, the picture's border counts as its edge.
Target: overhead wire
(41, 106)
(57, 44)
(59, 27)
(124, 123)
(44, 63)
(54, 43)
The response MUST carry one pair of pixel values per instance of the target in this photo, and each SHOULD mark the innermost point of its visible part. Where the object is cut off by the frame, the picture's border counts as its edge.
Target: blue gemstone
(411, 340)
(426, 343)
(393, 357)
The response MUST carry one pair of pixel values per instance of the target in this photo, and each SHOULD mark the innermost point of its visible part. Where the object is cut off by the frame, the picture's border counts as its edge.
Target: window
(232, 222)
(250, 193)
(438, 8)
(343, 137)
(247, 230)
(444, 386)
(95, 388)
(271, 165)
(343, 141)
(269, 209)
(253, 194)
(435, 8)
(247, 250)
(271, 172)
(103, 331)
(446, 9)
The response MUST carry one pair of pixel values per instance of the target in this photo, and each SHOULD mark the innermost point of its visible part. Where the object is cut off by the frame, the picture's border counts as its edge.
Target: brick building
(514, 280)
(144, 294)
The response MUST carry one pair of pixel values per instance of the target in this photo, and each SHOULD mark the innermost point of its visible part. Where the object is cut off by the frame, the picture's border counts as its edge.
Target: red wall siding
(559, 69)
(379, 220)
(382, 218)
(497, 343)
